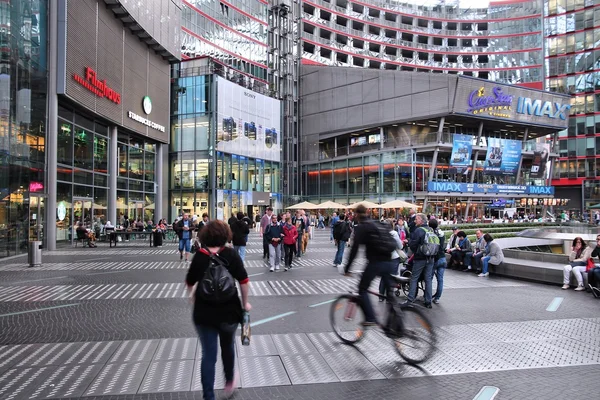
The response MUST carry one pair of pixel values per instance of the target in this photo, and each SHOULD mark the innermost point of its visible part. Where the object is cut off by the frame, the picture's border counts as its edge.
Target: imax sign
(549, 109)
(453, 187)
(549, 190)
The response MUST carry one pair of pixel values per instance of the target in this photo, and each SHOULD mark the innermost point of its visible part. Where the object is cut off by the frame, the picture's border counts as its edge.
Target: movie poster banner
(503, 157)
(540, 161)
(462, 146)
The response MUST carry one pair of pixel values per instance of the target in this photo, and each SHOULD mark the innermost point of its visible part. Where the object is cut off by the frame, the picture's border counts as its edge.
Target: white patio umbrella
(366, 203)
(330, 204)
(398, 204)
(305, 205)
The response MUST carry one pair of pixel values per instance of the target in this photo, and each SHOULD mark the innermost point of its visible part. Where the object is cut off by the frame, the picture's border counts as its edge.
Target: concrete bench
(538, 271)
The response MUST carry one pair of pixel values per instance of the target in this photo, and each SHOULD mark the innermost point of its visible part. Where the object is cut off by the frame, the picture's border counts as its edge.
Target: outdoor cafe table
(112, 236)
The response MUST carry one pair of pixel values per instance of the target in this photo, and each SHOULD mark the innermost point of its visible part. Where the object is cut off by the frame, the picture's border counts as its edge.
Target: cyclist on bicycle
(377, 264)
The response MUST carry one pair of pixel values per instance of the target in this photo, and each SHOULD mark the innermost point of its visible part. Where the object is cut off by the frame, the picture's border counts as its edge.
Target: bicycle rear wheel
(417, 340)
(346, 316)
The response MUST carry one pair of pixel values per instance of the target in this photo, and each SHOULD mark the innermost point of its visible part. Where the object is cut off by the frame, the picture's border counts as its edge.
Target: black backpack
(217, 284)
(381, 240)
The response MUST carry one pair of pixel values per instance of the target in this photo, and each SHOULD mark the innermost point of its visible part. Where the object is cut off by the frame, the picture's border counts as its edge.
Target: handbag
(590, 265)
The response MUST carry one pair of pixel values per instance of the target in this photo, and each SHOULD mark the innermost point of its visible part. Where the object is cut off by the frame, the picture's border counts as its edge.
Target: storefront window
(83, 148)
(65, 143)
(149, 165)
(372, 176)
(63, 215)
(235, 172)
(389, 172)
(276, 177)
(268, 176)
(100, 205)
(136, 162)
(202, 177)
(355, 176)
(326, 179)
(260, 167)
(340, 177)
(100, 154)
(123, 165)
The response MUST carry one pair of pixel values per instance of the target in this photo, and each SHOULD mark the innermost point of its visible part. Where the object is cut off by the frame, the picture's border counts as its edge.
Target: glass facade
(501, 43)
(572, 62)
(23, 94)
(202, 180)
(83, 155)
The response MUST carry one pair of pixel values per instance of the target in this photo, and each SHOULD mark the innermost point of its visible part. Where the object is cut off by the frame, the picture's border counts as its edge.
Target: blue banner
(503, 157)
(453, 187)
(462, 146)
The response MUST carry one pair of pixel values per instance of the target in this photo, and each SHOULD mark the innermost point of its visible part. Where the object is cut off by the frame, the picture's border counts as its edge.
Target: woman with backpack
(217, 312)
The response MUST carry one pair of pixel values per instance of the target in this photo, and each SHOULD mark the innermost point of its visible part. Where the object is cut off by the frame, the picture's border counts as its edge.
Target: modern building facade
(572, 51)
(453, 144)
(23, 95)
(225, 150)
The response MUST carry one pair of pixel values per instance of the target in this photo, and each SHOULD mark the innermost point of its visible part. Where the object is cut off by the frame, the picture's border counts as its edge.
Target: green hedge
(488, 226)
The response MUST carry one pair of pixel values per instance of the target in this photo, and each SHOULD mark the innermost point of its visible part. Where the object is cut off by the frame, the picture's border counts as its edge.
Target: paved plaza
(116, 324)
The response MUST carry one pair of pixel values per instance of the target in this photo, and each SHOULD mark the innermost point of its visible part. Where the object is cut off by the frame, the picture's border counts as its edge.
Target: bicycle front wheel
(417, 340)
(346, 316)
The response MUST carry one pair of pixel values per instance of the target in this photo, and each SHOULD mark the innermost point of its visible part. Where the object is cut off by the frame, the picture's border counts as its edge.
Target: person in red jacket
(290, 235)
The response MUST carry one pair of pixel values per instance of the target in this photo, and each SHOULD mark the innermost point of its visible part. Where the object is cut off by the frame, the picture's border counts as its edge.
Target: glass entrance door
(136, 211)
(82, 212)
(36, 218)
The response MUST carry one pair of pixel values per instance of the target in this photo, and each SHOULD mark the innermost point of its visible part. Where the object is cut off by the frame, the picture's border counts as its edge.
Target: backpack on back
(382, 241)
(431, 243)
(217, 284)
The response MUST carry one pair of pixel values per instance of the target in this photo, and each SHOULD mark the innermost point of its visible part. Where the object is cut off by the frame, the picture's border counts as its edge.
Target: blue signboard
(462, 146)
(453, 187)
(503, 157)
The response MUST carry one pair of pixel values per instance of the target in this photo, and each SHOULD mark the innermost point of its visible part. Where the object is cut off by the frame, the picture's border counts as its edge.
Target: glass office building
(23, 94)
(224, 154)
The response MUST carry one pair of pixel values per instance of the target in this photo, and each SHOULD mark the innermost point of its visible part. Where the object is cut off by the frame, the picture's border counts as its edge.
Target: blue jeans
(484, 262)
(373, 269)
(420, 266)
(299, 243)
(241, 251)
(339, 255)
(208, 340)
(185, 244)
(439, 268)
(382, 281)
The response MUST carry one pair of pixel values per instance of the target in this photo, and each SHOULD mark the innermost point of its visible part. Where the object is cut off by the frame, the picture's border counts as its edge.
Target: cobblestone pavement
(115, 324)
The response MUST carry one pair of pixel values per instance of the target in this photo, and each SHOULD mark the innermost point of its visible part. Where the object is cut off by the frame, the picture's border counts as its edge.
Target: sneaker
(436, 301)
(466, 270)
(579, 288)
(335, 265)
(565, 287)
(484, 275)
(285, 269)
(229, 389)
(595, 292)
(427, 305)
(180, 256)
(277, 268)
(271, 269)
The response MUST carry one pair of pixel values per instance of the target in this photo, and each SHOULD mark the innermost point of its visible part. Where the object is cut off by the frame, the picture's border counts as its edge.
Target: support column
(519, 180)
(113, 171)
(159, 185)
(474, 163)
(51, 133)
(435, 156)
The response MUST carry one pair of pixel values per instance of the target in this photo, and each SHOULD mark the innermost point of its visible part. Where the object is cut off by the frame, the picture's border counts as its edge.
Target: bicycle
(413, 335)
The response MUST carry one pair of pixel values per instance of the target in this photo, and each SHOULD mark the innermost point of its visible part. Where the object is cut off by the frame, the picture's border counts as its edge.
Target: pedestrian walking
(217, 321)
(298, 221)
(334, 219)
(240, 231)
(290, 236)
(183, 229)
(341, 235)
(264, 223)
(274, 234)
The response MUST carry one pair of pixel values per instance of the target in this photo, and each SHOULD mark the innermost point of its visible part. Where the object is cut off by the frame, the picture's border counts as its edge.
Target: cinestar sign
(98, 87)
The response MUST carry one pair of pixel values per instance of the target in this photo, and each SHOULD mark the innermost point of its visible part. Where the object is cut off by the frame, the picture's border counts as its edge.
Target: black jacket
(417, 237)
(231, 220)
(240, 232)
(342, 231)
(273, 232)
(179, 228)
(363, 233)
(412, 225)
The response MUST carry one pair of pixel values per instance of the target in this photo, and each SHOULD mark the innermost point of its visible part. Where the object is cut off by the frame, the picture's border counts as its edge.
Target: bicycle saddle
(401, 279)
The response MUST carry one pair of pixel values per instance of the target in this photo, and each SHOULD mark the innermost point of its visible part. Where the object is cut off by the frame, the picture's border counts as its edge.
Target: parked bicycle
(412, 334)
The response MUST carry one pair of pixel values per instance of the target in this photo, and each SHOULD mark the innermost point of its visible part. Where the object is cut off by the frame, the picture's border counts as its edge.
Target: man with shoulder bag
(425, 245)
(341, 234)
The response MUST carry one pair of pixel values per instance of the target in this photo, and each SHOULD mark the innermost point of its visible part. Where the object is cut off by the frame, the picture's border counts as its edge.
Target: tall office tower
(501, 42)
(572, 37)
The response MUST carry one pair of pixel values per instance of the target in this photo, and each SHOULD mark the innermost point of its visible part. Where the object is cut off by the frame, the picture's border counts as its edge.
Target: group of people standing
(284, 236)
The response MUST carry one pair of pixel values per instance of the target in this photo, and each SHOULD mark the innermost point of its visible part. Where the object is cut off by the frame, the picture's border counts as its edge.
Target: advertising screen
(461, 152)
(248, 123)
(503, 157)
(373, 139)
(353, 142)
(362, 140)
(540, 161)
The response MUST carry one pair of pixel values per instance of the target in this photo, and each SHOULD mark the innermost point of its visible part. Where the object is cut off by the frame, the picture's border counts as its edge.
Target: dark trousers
(374, 269)
(299, 243)
(210, 336)
(424, 267)
(476, 261)
(391, 285)
(265, 247)
(289, 253)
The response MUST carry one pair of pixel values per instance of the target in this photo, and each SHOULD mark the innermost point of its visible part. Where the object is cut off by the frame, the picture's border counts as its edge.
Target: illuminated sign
(61, 211)
(550, 109)
(453, 187)
(496, 104)
(145, 121)
(98, 87)
(36, 186)
(147, 104)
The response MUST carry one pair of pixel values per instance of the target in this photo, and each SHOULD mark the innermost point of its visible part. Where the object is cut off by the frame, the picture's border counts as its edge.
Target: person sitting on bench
(492, 254)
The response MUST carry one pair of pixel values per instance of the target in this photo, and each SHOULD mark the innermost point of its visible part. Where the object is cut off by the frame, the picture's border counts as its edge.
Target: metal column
(158, 200)
(113, 168)
(519, 180)
(474, 164)
(51, 133)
